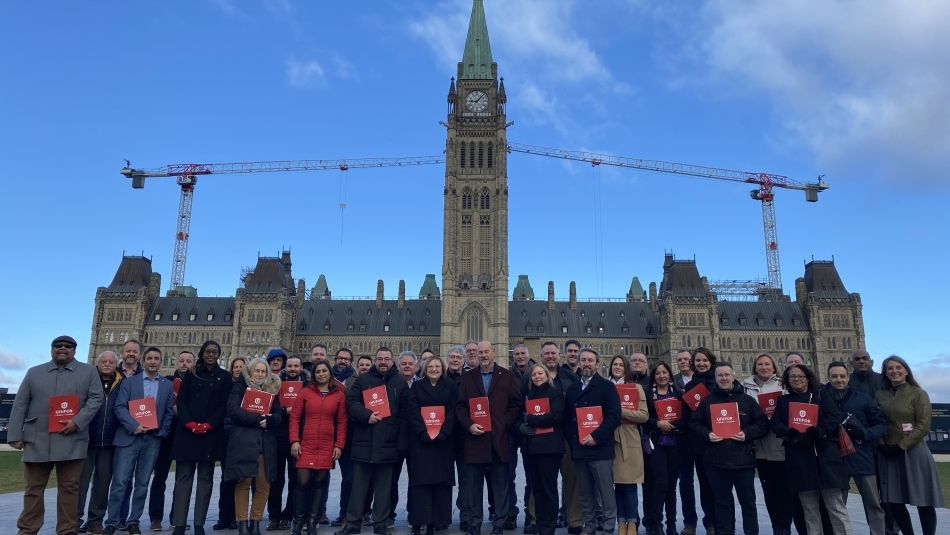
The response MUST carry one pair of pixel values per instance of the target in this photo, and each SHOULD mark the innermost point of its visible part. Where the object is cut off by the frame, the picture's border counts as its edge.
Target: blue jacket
(103, 425)
(865, 423)
(134, 388)
(599, 393)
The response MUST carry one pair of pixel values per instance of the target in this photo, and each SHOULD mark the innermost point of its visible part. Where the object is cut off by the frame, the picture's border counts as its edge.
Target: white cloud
(534, 38)
(934, 376)
(343, 68)
(10, 360)
(862, 87)
(305, 73)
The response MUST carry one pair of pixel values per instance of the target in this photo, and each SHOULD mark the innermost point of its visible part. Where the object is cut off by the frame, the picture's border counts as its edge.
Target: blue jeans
(628, 509)
(137, 459)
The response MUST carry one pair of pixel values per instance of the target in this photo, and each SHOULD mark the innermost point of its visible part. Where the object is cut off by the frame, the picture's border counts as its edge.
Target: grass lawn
(11, 472)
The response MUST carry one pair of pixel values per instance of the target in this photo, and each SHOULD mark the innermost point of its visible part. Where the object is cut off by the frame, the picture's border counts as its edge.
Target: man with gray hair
(99, 457)
(407, 370)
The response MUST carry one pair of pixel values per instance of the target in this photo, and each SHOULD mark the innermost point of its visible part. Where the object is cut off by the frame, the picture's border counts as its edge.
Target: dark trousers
(96, 470)
(346, 481)
(529, 512)
(706, 497)
(687, 492)
(430, 505)
(226, 512)
(461, 500)
(184, 480)
(723, 480)
(156, 490)
(36, 476)
(542, 476)
(497, 472)
(368, 476)
(285, 465)
(659, 486)
(778, 497)
(928, 518)
(512, 474)
(394, 486)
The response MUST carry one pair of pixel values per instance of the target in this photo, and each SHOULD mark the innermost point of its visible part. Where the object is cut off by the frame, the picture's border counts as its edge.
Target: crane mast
(186, 177)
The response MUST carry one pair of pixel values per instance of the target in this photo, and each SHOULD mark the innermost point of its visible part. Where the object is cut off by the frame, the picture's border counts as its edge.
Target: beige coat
(628, 453)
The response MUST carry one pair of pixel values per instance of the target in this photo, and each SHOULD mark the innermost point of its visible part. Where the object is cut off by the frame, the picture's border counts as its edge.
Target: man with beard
(130, 358)
(344, 373)
(593, 455)
(376, 443)
(293, 371)
(487, 450)
(471, 356)
(572, 349)
(521, 362)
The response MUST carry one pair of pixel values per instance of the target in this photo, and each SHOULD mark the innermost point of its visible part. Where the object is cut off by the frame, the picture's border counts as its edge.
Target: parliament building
(475, 301)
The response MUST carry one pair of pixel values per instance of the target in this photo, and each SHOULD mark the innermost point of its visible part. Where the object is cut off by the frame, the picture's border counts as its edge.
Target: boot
(254, 527)
(242, 528)
(430, 530)
(296, 525)
(622, 528)
(316, 506)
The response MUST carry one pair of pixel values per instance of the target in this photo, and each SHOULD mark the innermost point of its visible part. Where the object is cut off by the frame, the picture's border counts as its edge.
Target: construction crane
(186, 175)
(764, 192)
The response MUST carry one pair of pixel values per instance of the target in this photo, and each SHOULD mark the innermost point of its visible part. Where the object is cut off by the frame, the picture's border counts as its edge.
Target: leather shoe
(338, 521)
(273, 525)
(348, 530)
(574, 530)
(155, 525)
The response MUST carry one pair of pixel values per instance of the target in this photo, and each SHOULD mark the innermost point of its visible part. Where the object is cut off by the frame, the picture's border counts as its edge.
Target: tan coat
(628, 453)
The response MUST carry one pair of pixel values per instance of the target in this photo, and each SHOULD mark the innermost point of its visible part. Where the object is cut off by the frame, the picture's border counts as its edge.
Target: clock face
(476, 101)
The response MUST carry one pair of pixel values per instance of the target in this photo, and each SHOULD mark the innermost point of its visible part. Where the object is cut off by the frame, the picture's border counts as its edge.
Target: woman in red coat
(316, 444)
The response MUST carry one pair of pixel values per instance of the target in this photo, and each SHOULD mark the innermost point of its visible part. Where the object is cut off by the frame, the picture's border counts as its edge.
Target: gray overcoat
(29, 417)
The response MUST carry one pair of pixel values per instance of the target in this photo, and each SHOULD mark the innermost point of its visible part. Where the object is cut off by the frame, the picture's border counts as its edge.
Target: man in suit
(137, 445)
(487, 450)
(43, 450)
(594, 454)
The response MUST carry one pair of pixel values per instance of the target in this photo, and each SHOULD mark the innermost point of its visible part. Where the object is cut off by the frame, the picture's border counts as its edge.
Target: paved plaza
(11, 504)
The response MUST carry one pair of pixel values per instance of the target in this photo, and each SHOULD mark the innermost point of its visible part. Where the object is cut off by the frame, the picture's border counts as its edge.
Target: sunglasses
(63, 345)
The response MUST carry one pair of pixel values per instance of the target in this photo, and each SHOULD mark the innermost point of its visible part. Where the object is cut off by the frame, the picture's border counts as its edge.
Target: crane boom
(765, 182)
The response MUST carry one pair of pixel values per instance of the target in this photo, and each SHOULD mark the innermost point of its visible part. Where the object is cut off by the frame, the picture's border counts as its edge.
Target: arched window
(481, 151)
(462, 155)
(490, 156)
(483, 202)
(471, 154)
(474, 323)
(467, 199)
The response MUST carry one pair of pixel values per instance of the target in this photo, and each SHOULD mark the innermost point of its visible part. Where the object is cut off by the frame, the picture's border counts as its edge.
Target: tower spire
(476, 60)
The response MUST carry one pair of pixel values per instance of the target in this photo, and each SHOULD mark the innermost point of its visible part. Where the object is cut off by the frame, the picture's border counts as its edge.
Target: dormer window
(192, 316)
(210, 317)
(158, 316)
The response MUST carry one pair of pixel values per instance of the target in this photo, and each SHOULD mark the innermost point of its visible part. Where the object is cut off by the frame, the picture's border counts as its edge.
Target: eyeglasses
(796, 377)
(63, 345)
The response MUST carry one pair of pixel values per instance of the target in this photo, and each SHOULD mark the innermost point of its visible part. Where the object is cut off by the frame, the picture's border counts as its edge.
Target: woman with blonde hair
(252, 447)
(543, 445)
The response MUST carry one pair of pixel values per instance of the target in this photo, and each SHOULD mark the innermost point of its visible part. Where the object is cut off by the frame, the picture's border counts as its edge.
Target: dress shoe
(338, 521)
(348, 530)
(242, 527)
(199, 530)
(688, 530)
(273, 525)
(221, 525)
(530, 529)
(110, 530)
(155, 525)
(179, 530)
(283, 524)
(575, 530)
(95, 529)
(83, 527)
(133, 529)
(463, 526)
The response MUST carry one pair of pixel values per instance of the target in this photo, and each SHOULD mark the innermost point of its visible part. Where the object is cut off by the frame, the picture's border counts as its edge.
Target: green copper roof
(476, 60)
(523, 290)
(636, 290)
(321, 289)
(429, 290)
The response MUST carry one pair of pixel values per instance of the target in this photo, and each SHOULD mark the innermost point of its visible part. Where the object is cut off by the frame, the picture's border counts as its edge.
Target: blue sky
(800, 89)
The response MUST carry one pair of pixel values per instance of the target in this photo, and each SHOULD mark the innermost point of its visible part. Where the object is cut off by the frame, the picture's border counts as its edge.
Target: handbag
(845, 446)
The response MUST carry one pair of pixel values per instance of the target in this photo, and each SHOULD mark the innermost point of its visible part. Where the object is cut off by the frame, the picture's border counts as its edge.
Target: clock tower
(475, 235)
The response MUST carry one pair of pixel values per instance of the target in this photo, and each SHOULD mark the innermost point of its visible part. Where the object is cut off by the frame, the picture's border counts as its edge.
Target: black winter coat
(202, 398)
(752, 421)
(811, 459)
(865, 423)
(599, 392)
(696, 447)
(547, 443)
(431, 462)
(384, 441)
(248, 440)
(680, 425)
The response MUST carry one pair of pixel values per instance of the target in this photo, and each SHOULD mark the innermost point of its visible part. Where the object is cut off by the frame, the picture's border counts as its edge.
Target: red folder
(143, 411)
(433, 416)
(257, 401)
(288, 392)
(539, 407)
(588, 420)
(629, 397)
(695, 395)
(725, 419)
(479, 413)
(801, 416)
(669, 409)
(176, 385)
(62, 408)
(377, 400)
(769, 401)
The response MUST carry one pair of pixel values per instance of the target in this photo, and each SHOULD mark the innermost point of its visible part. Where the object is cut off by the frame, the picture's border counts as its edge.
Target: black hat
(64, 338)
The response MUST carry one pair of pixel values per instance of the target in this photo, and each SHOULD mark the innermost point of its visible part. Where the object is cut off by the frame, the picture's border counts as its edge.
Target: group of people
(112, 431)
